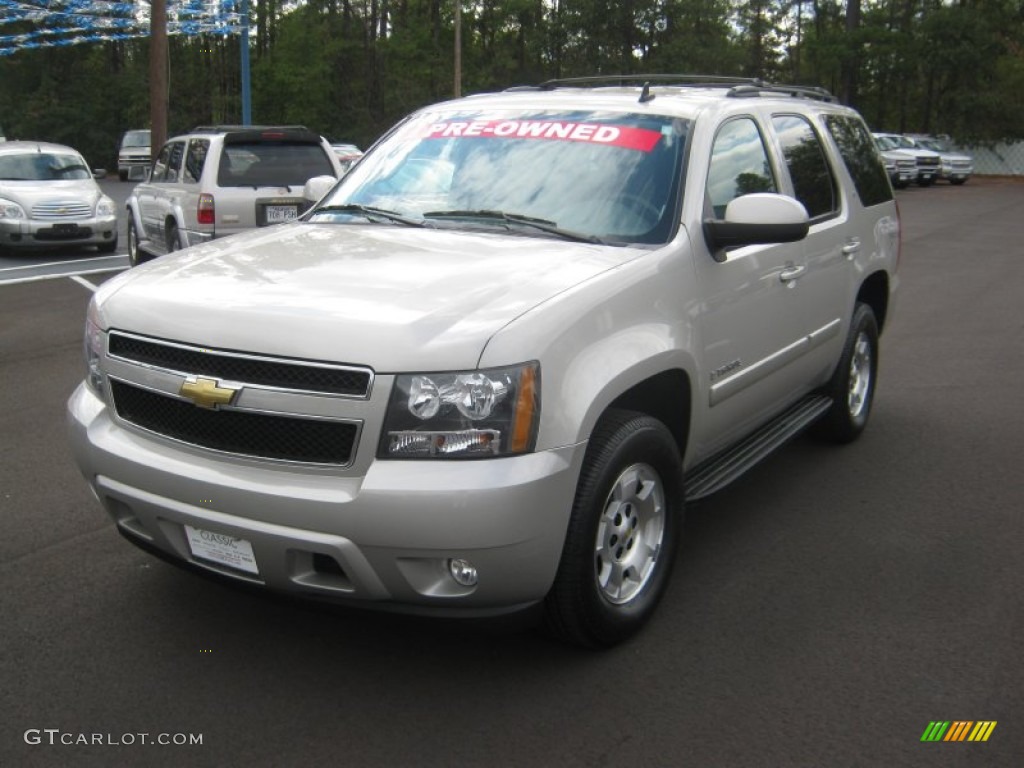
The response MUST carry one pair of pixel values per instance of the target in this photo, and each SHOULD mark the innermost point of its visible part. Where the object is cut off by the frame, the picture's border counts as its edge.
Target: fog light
(463, 572)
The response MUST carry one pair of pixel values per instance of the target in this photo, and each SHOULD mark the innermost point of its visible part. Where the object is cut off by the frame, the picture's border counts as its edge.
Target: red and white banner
(643, 139)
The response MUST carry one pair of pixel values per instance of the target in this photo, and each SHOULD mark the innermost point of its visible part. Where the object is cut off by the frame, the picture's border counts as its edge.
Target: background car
(134, 154)
(48, 197)
(901, 167)
(928, 162)
(221, 180)
(347, 154)
(955, 167)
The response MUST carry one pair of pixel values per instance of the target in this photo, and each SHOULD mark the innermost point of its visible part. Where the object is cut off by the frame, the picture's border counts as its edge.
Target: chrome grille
(928, 162)
(260, 435)
(61, 209)
(279, 373)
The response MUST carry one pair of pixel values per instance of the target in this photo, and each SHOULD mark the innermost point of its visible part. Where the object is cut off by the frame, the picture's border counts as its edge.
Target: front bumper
(381, 539)
(36, 233)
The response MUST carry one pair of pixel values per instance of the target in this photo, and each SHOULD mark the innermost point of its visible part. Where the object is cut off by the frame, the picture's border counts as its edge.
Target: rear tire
(852, 387)
(135, 254)
(174, 238)
(623, 533)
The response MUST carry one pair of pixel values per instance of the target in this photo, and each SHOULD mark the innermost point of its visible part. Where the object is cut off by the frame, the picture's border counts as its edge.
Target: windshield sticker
(642, 139)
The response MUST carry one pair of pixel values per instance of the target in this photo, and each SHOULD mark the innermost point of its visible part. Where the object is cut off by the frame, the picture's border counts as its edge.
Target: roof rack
(738, 87)
(225, 128)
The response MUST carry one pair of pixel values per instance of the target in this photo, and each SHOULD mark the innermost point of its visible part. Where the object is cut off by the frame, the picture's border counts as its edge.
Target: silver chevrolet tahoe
(491, 365)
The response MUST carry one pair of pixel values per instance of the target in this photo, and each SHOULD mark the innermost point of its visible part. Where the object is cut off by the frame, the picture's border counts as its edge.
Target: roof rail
(739, 87)
(224, 128)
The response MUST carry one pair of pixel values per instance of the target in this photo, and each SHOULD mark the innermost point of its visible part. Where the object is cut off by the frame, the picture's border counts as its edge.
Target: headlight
(94, 340)
(11, 210)
(462, 415)
(105, 206)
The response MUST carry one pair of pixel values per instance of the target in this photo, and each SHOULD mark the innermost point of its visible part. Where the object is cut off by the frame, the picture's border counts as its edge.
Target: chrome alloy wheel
(860, 375)
(630, 533)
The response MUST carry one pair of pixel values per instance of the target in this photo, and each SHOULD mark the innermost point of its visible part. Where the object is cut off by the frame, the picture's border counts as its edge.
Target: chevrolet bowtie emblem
(206, 393)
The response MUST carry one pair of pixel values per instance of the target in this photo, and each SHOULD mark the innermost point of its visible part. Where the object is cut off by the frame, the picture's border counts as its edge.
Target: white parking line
(59, 264)
(83, 282)
(37, 278)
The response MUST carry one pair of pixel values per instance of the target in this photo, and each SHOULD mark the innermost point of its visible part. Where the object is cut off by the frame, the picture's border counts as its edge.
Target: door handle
(789, 274)
(851, 247)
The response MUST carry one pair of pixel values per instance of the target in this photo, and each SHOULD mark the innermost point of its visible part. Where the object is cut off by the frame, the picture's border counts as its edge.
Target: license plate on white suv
(279, 213)
(222, 549)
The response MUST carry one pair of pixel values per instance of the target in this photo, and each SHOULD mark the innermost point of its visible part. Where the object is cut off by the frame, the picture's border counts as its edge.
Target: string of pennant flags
(27, 25)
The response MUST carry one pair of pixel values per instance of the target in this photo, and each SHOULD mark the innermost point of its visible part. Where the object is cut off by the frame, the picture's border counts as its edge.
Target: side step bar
(718, 471)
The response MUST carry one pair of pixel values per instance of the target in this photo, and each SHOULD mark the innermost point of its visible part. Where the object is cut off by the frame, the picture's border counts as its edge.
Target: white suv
(220, 180)
(489, 368)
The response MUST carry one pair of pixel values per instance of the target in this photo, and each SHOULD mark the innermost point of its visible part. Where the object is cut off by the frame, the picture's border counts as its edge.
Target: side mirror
(756, 219)
(317, 187)
(99, 173)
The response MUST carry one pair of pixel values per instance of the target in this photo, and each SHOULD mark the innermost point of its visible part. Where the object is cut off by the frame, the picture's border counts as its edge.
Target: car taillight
(204, 214)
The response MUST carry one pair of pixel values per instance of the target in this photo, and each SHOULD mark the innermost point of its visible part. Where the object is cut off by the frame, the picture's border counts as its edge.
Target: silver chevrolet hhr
(49, 198)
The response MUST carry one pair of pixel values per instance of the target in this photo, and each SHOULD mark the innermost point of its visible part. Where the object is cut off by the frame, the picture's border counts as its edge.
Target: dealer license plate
(279, 213)
(222, 549)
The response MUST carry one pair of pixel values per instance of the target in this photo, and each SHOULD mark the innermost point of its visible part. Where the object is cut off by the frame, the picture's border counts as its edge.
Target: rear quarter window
(813, 182)
(861, 157)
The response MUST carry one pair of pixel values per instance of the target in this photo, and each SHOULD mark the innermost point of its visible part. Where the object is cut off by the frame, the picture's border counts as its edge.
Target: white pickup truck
(492, 363)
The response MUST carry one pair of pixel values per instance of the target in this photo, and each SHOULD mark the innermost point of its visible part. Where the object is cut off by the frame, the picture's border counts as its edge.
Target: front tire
(623, 533)
(107, 247)
(852, 388)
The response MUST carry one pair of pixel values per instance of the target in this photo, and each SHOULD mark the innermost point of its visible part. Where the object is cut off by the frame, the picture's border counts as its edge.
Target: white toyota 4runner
(489, 367)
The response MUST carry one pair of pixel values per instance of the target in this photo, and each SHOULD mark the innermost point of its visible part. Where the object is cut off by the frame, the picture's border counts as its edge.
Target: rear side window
(862, 159)
(739, 165)
(160, 164)
(271, 163)
(813, 182)
(195, 158)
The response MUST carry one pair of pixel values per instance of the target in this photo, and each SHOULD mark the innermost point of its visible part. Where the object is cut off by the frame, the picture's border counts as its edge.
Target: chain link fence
(997, 160)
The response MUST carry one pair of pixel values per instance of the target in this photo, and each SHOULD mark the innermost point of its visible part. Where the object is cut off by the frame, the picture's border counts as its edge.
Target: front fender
(603, 338)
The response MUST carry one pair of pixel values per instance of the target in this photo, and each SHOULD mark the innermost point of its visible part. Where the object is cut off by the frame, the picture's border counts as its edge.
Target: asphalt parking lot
(824, 610)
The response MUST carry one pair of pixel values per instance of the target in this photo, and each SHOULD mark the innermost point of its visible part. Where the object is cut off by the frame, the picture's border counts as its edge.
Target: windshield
(598, 176)
(135, 139)
(43, 166)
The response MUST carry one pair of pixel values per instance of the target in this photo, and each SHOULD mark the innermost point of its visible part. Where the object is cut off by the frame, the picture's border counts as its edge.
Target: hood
(30, 193)
(387, 296)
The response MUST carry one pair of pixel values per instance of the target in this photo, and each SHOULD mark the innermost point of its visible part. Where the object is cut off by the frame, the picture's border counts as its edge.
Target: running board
(718, 471)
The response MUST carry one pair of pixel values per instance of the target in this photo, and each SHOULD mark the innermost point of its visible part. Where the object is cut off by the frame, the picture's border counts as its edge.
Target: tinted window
(195, 158)
(174, 162)
(813, 183)
(739, 165)
(862, 159)
(160, 164)
(271, 163)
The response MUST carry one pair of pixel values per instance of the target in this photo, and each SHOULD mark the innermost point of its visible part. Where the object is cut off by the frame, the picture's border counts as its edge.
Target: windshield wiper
(370, 212)
(543, 225)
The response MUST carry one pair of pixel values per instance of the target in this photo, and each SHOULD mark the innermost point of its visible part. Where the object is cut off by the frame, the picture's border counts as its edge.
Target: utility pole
(458, 48)
(246, 88)
(158, 78)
